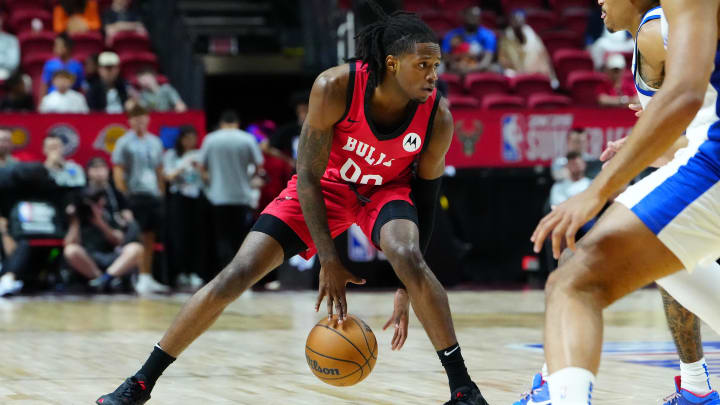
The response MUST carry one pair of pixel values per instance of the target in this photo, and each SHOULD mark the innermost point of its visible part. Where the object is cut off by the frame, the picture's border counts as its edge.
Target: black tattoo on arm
(655, 82)
(313, 155)
(684, 327)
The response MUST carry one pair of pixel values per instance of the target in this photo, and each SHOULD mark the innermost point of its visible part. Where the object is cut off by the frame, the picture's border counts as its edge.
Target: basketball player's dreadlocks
(393, 34)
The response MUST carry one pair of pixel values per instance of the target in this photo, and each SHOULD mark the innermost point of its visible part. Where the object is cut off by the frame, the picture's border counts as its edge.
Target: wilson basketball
(341, 355)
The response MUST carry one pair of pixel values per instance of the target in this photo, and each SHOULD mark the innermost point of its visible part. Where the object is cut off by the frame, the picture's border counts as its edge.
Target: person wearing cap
(63, 99)
(138, 173)
(109, 92)
(620, 91)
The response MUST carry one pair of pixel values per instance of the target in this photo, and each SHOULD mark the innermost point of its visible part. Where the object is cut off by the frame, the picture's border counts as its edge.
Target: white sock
(544, 372)
(695, 377)
(147, 277)
(571, 386)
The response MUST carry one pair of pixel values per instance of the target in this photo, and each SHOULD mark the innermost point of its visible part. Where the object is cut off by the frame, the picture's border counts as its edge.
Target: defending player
(669, 220)
(369, 123)
(643, 20)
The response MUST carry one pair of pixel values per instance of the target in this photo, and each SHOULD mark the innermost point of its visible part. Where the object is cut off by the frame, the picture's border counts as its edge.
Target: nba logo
(359, 247)
(511, 138)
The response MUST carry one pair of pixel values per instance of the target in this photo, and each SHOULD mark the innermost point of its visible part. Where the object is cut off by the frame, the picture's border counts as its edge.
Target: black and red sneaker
(134, 391)
(467, 395)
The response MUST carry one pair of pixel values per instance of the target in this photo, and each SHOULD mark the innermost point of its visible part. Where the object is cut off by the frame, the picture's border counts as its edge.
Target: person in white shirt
(9, 53)
(63, 99)
(575, 183)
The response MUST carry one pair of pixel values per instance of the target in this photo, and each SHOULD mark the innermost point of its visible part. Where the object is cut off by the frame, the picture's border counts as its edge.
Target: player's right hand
(333, 279)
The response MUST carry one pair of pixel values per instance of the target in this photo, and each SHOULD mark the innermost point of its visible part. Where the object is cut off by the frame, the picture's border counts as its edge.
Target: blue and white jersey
(699, 129)
(680, 202)
(644, 91)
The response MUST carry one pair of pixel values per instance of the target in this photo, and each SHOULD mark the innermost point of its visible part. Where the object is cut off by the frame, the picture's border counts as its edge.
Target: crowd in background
(77, 82)
(194, 203)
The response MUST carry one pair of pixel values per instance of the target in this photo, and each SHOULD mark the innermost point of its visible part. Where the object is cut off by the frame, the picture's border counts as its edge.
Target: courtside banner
(522, 138)
(89, 135)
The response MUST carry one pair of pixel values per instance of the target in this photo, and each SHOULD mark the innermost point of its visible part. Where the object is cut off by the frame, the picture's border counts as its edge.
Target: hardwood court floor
(70, 350)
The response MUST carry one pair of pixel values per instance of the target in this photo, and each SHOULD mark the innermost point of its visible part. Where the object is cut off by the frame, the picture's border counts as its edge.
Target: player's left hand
(399, 318)
(565, 220)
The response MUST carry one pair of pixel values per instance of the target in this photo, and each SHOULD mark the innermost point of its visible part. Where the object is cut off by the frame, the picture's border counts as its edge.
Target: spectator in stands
(576, 143)
(137, 160)
(66, 173)
(285, 139)
(9, 52)
(156, 97)
(482, 41)
(62, 61)
(575, 183)
(229, 155)
(63, 99)
(109, 92)
(17, 97)
(90, 67)
(97, 245)
(76, 16)
(621, 90)
(14, 257)
(521, 49)
(120, 17)
(98, 177)
(182, 172)
(6, 146)
(610, 43)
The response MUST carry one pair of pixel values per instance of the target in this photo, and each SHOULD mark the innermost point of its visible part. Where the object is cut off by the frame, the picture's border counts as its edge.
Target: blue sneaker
(538, 394)
(685, 397)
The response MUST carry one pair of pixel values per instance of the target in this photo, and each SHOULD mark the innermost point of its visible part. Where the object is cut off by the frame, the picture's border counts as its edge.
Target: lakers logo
(411, 142)
(106, 139)
(20, 137)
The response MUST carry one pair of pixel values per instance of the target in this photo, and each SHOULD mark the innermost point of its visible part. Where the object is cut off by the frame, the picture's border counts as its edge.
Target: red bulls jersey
(362, 155)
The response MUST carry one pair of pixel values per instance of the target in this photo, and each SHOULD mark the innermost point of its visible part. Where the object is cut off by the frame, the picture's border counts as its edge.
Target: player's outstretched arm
(327, 106)
(426, 186)
(691, 51)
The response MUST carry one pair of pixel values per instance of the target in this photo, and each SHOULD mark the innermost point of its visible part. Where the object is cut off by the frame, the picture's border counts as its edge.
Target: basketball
(341, 355)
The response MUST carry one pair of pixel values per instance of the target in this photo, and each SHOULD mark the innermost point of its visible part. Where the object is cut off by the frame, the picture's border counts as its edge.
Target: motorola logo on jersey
(411, 142)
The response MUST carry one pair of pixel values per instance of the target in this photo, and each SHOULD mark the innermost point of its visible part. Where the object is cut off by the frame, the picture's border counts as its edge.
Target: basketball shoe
(467, 395)
(133, 391)
(685, 397)
(538, 394)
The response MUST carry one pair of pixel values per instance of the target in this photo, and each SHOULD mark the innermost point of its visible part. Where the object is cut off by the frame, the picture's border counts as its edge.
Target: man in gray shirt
(6, 159)
(137, 160)
(229, 156)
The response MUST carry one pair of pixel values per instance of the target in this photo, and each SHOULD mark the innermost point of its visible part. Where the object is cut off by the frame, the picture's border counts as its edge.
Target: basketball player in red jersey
(370, 122)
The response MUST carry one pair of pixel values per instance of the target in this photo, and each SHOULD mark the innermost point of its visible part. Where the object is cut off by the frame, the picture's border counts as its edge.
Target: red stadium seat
(548, 101)
(33, 64)
(583, 86)
(534, 83)
(510, 5)
(456, 6)
(488, 19)
(129, 41)
(36, 42)
(541, 20)
(566, 4)
(439, 22)
(21, 20)
(87, 43)
(15, 5)
(576, 20)
(481, 85)
(462, 101)
(502, 102)
(569, 60)
(420, 6)
(454, 83)
(133, 61)
(563, 39)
